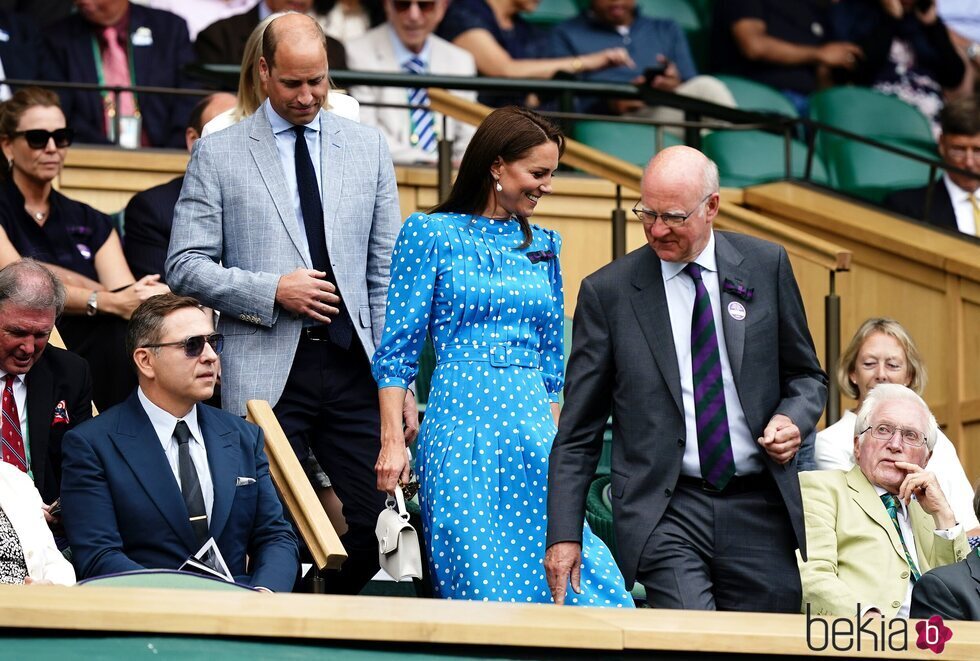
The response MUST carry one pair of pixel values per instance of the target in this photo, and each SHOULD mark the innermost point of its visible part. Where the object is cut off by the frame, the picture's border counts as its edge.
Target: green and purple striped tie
(714, 440)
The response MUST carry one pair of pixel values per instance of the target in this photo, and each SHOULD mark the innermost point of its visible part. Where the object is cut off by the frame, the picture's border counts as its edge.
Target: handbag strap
(399, 500)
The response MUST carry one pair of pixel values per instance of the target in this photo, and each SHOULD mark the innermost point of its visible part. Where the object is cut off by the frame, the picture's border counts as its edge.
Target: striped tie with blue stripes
(423, 123)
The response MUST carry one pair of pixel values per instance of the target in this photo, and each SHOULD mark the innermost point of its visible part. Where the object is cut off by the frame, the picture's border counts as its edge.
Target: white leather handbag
(398, 543)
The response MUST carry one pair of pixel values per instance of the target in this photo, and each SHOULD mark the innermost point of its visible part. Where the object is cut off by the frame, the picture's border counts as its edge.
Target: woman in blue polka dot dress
(486, 285)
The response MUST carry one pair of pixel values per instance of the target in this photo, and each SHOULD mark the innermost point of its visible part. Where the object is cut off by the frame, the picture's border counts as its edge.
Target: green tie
(892, 506)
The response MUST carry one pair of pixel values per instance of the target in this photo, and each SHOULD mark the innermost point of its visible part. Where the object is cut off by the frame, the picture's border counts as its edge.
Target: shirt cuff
(950, 533)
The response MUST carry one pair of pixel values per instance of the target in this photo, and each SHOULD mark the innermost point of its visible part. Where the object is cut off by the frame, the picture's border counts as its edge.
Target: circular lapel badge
(736, 310)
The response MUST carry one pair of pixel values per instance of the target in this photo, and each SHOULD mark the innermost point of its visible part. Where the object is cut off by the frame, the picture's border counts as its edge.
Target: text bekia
(868, 633)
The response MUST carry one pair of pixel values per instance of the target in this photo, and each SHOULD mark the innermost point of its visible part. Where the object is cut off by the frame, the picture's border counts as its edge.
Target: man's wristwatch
(93, 304)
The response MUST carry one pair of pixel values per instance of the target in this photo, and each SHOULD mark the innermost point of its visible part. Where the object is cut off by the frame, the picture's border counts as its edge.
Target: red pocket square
(60, 414)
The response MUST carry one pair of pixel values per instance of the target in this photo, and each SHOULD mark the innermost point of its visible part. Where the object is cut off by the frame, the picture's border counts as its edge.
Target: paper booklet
(208, 561)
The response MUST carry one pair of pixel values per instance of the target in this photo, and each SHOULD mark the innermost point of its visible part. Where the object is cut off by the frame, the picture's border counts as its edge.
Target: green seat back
(598, 515)
(872, 173)
(750, 95)
(550, 12)
(161, 578)
(746, 158)
(634, 143)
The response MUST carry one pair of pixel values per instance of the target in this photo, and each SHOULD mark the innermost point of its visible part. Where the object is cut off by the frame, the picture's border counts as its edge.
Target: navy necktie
(340, 330)
(190, 485)
(714, 439)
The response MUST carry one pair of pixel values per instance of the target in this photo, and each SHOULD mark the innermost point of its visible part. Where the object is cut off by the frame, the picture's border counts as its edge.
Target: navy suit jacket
(123, 509)
(21, 50)
(58, 376)
(149, 217)
(69, 46)
(911, 202)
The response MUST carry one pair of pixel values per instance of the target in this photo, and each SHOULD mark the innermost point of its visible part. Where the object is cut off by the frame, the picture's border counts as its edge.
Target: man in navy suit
(150, 214)
(954, 196)
(153, 43)
(148, 482)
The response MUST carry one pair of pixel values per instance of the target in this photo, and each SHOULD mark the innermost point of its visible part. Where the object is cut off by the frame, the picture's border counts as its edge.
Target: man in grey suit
(294, 251)
(706, 422)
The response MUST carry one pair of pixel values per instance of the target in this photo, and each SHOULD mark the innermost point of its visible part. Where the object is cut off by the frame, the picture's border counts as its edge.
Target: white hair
(891, 392)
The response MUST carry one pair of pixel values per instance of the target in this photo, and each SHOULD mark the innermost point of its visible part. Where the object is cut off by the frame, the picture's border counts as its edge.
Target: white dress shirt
(679, 288)
(962, 207)
(286, 144)
(164, 424)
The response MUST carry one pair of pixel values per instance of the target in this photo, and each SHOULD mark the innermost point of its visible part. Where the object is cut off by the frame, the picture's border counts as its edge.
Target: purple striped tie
(714, 441)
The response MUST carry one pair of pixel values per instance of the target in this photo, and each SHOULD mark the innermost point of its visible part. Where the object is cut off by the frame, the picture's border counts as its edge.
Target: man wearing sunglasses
(405, 43)
(873, 531)
(698, 345)
(285, 224)
(147, 483)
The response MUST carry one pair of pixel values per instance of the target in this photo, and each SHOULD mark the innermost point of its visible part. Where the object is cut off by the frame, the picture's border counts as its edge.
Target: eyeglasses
(194, 345)
(958, 153)
(405, 5)
(648, 217)
(885, 432)
(38, 138)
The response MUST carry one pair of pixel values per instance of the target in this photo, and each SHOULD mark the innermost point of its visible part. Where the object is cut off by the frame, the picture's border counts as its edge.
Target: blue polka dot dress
(495, 314)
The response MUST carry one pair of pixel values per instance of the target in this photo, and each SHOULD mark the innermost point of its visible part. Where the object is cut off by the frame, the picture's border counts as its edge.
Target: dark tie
(190, 485)
(340, 330)
(891, 504)
(423, 123)
(714, 440)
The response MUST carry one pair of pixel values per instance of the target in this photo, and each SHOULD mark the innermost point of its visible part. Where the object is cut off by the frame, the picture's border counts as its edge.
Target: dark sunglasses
(194, 345)
(38, 138)
(405, 5)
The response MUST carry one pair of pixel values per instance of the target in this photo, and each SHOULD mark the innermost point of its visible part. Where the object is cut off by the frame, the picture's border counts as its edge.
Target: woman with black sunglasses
(77, 242)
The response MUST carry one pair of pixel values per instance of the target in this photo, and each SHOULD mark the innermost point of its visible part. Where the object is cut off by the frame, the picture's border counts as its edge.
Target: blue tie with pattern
(423, 123)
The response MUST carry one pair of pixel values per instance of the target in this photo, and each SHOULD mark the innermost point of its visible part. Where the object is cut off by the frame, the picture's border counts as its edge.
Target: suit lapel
(922, 525)
(262, 146)
(864, 495)
(332, 167)
(973, 562)
(730, 266)
(650, 307)
(40, 405)
(222, 445)
(140, 448)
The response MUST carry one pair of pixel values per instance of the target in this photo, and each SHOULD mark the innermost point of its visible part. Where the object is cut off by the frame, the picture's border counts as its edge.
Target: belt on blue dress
(498, 355)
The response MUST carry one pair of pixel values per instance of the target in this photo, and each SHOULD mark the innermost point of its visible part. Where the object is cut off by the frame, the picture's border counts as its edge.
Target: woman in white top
(882, 351)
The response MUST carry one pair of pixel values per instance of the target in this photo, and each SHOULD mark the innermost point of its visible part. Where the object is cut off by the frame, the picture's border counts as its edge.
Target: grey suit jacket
(623, 360)
(235, 233)
(373, 51)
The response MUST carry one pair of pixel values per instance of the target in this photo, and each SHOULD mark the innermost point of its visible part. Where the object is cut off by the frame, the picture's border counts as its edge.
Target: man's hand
(305, 292)
(669, 79)
(563, 561)
(781, 439)
(840, 55)
(411, 415)
(924, 485)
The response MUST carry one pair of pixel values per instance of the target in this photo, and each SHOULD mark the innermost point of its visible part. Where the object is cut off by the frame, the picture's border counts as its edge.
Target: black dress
(72, 235)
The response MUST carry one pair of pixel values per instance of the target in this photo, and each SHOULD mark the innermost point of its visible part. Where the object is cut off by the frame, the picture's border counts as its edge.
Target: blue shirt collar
(279, 124)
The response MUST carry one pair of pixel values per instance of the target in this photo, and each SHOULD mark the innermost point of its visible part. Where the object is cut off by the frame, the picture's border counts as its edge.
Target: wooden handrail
(296, 491)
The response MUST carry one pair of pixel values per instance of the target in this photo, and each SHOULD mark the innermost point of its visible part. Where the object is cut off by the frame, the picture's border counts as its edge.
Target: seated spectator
(115, 42)
(48, 385)
(781, 43)
(953, 591)
(42, 12)
(907, 51)
(251, 91)
(78, 243)
(406, 44)
(149, 214)
(27, 549)
(147, 483)
(651, 43)
(345, 20)
(882, 351)
(198, 14)
(505, 45)
(20, 52)
(223, 42)
(954, 196)
(873, 531)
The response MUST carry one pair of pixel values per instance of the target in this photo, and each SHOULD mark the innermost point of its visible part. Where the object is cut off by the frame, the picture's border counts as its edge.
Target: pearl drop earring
(499, 187)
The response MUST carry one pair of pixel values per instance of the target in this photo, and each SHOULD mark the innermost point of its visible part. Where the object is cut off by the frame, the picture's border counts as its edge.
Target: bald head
(681, 183)
(293, 68)
(293, 28)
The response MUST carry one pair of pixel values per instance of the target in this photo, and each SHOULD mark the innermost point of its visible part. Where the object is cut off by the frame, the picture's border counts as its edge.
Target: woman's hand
(123, 303)
(610, 57)
(392, 463)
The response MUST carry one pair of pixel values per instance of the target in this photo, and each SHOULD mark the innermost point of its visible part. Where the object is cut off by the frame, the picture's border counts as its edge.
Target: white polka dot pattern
(483, 448)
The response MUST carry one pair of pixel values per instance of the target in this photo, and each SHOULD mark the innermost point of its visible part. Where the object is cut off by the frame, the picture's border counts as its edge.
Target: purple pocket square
(541, 256)
(738, 290)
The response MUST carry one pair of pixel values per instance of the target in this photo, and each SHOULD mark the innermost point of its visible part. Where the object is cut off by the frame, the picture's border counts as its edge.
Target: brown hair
(509, 133)
(885, 326)
(961, 116)
(146, 324)
(14, 108)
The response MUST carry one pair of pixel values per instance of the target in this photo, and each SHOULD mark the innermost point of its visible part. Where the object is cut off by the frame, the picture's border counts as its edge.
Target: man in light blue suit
(146, 484)
(294, 251)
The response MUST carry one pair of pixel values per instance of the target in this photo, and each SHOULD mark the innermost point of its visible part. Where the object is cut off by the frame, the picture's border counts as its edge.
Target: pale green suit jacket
(854, 552)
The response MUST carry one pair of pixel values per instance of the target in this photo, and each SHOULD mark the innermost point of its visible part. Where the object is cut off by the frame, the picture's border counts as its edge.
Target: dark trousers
(330, 404)
(727, 551)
